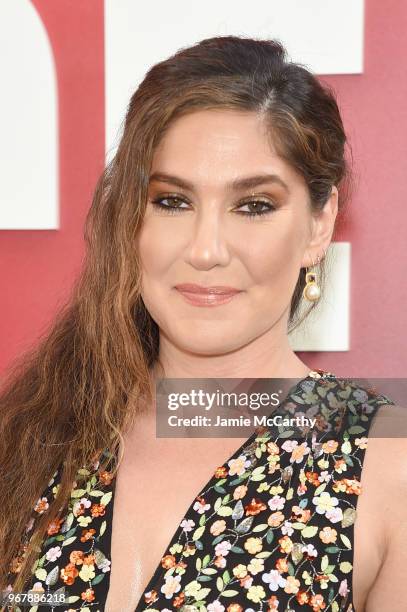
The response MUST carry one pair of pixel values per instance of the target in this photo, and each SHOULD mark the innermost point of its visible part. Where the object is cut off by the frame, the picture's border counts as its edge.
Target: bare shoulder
(385, 463)
(384, 477)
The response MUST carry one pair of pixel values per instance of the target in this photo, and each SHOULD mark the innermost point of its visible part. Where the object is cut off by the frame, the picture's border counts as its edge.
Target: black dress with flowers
(272, 530)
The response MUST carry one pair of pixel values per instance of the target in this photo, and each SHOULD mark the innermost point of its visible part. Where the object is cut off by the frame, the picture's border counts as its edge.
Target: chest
(155, 486)
(157, 483)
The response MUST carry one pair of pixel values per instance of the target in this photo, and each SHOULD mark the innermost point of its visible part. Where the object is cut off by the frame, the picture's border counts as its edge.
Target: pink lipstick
(198, 295)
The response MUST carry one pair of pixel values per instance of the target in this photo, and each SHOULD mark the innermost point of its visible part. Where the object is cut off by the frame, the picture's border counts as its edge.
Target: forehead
(219, 145)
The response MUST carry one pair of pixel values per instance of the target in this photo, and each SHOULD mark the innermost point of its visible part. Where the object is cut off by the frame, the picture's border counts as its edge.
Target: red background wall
(37, 267)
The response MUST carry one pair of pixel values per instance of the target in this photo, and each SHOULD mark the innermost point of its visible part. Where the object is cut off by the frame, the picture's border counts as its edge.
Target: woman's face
(206, 178)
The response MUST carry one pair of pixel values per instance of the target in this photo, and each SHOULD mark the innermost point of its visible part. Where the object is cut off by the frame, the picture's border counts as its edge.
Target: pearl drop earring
(312, 291)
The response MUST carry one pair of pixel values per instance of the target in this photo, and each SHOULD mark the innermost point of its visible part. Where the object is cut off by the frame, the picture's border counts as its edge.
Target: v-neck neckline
(313, 375)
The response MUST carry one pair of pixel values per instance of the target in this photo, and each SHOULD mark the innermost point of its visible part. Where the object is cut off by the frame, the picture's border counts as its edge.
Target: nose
(208, 245)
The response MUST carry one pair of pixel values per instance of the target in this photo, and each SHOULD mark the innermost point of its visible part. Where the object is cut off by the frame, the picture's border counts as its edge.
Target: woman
(230, 173)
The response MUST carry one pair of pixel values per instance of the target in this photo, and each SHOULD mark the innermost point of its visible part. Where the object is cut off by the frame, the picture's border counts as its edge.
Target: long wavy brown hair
(85, 381)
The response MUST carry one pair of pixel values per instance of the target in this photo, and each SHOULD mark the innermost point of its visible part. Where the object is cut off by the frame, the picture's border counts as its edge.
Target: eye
(171, 209)
(255, 208)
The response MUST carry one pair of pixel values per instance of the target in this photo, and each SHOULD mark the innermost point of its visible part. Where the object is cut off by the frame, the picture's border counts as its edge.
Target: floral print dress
(271, 531)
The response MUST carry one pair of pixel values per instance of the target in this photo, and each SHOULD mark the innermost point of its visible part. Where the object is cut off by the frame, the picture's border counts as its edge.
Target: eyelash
(171, 210)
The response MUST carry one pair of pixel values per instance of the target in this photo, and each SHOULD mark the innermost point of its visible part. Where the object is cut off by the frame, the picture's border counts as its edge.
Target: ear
(323, 224)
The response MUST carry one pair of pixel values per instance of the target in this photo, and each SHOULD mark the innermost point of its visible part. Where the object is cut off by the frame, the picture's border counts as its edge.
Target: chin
(207, 343)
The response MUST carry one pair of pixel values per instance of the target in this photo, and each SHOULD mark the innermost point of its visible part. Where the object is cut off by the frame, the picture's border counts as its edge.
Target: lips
(213, 290)
(197, 295)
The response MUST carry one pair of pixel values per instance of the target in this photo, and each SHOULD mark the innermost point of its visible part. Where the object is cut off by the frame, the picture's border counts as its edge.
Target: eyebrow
(248, 182)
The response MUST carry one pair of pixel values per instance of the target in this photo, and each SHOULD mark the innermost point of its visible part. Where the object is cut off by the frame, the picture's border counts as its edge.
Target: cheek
(273, 258)
(158, 253)
(155, 249)
(153, 264)
(273, 266)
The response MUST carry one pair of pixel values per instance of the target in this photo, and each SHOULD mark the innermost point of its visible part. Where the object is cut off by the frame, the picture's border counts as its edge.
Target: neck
(262, 358)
